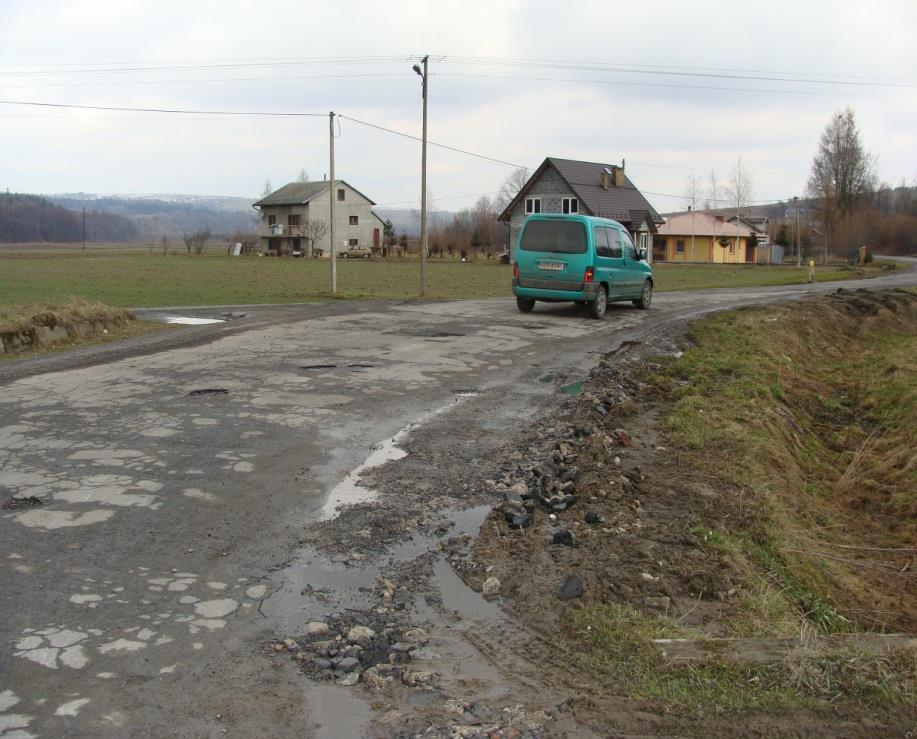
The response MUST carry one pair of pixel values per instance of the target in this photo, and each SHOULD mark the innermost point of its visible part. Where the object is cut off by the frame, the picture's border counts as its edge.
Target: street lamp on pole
(423, 181)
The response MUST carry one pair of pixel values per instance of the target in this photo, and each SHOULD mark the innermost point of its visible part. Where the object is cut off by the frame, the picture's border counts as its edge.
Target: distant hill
(407, 221)
(155, 216)
(33, 218)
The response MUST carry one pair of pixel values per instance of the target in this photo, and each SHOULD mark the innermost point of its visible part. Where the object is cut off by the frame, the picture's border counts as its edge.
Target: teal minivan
(589, 261)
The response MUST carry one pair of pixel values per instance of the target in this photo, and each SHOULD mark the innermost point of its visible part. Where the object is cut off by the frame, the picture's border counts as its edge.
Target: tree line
(31, 218)
(845, 205)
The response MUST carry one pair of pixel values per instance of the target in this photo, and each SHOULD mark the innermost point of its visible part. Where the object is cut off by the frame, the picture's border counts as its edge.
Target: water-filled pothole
(209, 391)
(31, 501)
(352, 365)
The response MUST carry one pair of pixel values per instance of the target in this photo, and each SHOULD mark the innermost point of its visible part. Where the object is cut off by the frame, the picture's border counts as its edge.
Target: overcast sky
(665, 85)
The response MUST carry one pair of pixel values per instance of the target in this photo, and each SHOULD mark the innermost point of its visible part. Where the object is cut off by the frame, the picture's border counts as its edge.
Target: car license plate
(551, 266)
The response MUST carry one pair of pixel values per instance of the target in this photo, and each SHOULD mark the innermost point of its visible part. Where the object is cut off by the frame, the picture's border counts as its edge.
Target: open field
(135, 279)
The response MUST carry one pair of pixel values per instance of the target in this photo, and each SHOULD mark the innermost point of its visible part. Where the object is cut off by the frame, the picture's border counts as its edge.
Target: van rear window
(563, 237)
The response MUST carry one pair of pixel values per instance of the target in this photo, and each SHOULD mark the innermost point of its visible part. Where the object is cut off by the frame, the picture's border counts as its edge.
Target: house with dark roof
(295, 219)
(587, 188)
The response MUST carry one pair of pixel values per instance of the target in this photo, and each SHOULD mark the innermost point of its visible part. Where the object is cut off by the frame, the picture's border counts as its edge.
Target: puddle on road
(349, 491)
(458, 597)
(337, 712)
(314, 586)
(574, 388)
(189, 321)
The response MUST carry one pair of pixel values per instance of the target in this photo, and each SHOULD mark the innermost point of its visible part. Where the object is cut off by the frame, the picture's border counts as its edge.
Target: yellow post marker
(811, 270)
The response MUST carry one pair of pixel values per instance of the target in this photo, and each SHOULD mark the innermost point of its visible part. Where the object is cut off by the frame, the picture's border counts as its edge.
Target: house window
(732, 247)
(532, 205)
(680, 246)
(354, 220)
(341, 193)
(353, 242)
(271, 220)
(570, 205)
(293, 219)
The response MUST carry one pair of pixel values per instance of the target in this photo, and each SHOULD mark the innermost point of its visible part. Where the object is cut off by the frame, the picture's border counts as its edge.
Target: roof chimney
(619, 175)
(606, 176)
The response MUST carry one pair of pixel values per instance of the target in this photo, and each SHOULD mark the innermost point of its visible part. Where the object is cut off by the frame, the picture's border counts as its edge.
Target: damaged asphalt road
(171, 509)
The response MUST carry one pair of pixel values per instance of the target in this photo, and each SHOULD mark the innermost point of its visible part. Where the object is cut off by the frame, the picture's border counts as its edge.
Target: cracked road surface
(152, 492)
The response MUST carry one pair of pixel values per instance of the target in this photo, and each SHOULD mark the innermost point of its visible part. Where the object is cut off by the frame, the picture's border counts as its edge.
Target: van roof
(569, 217)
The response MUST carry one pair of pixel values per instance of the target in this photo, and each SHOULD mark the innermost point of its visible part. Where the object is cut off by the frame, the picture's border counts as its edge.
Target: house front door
(750, 253)
(375, 238)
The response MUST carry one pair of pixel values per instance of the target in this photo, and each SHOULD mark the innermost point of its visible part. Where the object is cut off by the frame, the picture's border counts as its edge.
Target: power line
(193, 67)
(433, 143)
(661, 71)
(119, 83)
(122, 109)
(672, 85)
(445, 197)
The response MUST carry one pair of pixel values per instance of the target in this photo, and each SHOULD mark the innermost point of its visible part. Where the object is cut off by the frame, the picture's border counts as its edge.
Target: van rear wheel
(598, 306)
(525, 304)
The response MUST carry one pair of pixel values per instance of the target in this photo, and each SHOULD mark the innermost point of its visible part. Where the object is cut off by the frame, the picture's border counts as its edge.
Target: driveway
(158, 495)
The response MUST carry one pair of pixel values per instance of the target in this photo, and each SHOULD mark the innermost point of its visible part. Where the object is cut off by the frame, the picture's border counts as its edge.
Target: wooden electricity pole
(332, 194)
(84, 230)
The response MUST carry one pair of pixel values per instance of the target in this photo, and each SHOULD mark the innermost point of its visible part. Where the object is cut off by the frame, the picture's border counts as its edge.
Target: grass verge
(614, 641)
(800, 418)
(139, 280)
(108, 324)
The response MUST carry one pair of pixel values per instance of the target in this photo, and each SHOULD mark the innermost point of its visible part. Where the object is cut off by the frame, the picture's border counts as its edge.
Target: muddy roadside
(511, 586)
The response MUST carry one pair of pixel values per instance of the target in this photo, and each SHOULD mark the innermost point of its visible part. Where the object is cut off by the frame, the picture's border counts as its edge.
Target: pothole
(352, 365)
(209, 391)
(31, 501)
(441, 335)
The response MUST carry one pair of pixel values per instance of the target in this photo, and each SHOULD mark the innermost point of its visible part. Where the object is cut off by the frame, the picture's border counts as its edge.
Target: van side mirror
(641, 255)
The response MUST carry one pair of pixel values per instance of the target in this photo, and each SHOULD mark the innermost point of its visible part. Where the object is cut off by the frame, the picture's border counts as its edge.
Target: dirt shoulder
(667, 501)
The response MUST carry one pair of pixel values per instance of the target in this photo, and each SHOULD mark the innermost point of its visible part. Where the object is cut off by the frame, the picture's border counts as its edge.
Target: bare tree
(694, 191)
(315, 229)
(842, 170)
(267, 189)
(196, 241)
(740, 191)
(510, 188)
(303, 176)
(713, 190)
(165, 245)
(484, 224)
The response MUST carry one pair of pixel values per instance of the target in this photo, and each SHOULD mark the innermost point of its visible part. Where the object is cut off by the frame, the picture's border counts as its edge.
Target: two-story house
(587, 188)
(295, 219)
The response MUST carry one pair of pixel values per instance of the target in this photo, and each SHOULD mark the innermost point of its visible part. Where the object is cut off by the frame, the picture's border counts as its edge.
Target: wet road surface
(154, 495)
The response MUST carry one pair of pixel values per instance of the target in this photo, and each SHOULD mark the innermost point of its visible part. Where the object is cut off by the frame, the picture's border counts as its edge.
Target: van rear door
(553, 254)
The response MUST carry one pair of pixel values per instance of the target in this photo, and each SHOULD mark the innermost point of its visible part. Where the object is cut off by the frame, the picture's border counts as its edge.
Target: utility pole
(84, 230)
(332, 194)
(423, 181)
(798, 244)
(691, 208)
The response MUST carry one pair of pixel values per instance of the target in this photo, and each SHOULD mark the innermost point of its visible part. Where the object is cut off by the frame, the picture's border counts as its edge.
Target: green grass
(615, 641)
(135, 279)
(809, 409)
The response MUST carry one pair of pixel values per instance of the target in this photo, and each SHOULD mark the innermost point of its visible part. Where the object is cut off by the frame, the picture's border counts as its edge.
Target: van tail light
(588, 274)
(516, 270)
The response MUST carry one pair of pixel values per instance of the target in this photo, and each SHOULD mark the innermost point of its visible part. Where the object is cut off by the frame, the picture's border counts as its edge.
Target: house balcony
(282, 229)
